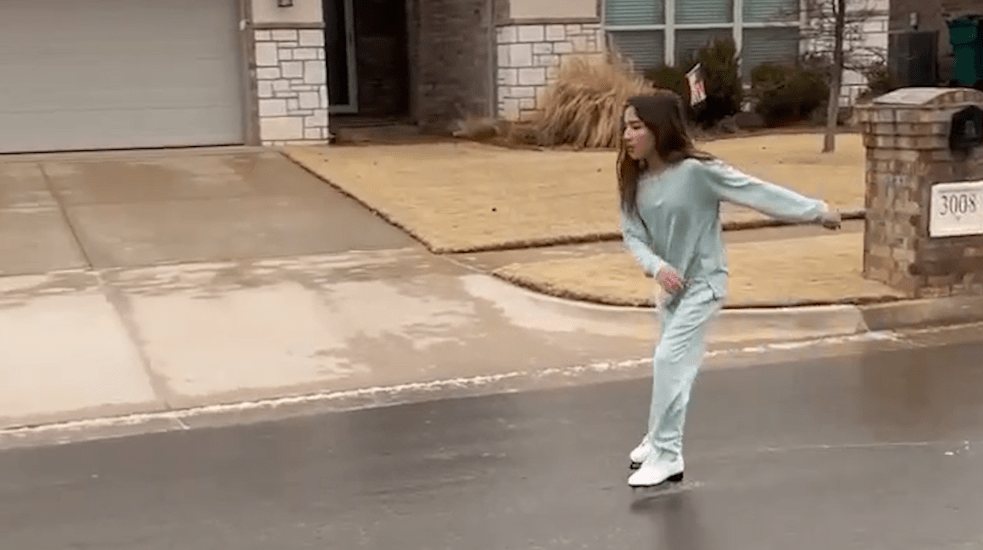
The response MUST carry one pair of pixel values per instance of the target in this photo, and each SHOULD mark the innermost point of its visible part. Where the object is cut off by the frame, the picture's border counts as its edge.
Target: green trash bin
(966, 37)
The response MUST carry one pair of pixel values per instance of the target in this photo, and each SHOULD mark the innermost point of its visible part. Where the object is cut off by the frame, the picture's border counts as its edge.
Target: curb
(924, 313)
(736, 326)
(756, 325)
(802, 323)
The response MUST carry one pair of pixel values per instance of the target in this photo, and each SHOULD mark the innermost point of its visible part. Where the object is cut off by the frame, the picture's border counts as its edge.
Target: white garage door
(103, 74)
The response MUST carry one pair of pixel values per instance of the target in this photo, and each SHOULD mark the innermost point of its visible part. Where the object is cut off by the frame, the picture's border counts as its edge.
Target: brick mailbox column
(924, 191)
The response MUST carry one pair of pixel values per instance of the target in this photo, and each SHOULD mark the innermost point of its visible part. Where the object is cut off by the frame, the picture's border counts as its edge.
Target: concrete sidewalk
(153, 282)
(91, 343)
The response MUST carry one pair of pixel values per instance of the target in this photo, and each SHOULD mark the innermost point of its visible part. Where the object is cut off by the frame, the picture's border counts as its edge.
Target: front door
(339, 40)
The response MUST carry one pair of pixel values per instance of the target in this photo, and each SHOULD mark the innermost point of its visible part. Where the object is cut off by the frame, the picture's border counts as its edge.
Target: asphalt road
(879, 450)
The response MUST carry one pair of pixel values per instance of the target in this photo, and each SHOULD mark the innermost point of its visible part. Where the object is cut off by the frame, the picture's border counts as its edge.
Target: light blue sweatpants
(677, 359)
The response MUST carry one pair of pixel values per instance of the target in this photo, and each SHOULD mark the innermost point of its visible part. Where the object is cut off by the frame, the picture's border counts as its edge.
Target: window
(656, 32)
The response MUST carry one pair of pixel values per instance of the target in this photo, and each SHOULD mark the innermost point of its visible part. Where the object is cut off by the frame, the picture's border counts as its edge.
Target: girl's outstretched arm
(729, 184)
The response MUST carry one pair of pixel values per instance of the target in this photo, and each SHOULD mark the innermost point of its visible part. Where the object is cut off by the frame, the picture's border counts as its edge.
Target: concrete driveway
(60, 212)
(143, 282)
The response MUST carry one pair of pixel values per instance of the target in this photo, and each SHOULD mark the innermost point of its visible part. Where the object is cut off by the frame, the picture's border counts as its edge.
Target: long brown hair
(664, 114)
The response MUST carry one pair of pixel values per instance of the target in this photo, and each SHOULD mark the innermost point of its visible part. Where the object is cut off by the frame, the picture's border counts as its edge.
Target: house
(435, 60)
(925, 25)
(104, 74)
(108, 74)
(537, 33)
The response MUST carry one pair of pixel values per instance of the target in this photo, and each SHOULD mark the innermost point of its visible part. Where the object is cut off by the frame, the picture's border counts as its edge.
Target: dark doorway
(368, 64)
(339, 43)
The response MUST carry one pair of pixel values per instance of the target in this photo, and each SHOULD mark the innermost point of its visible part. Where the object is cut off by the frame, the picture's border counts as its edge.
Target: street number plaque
(956, 209)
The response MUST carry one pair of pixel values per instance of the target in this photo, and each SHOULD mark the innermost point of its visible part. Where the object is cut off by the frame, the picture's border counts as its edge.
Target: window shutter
(704, 11)
(689, 42)
(634, 12)
(645, 49)
(769, 11)
(776, 44)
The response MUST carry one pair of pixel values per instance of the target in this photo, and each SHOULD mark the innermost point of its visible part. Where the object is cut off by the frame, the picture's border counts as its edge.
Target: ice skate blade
(675, 478)
(643, 499)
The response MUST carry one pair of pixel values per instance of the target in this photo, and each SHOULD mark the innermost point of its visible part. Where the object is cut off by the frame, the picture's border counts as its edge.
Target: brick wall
(292, 86)
(956, 8)
(503, 10)
(932, 16)
(453, 56)
(929, 14)
(528, 62)
(907, 152)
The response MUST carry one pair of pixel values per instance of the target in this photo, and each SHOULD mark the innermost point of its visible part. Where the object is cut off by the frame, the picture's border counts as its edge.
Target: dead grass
(816, 270)
(585, 105)
(465, 196)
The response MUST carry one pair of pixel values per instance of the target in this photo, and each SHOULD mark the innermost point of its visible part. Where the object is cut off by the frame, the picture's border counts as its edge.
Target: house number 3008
(959, 204)
(956, 209)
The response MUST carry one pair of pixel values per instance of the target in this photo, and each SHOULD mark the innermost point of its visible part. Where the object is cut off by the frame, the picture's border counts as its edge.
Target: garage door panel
(140, 129)
(124, 96)
(90, 74)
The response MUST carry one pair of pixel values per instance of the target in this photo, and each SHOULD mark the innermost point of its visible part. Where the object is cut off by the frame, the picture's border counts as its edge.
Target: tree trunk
(833, 112)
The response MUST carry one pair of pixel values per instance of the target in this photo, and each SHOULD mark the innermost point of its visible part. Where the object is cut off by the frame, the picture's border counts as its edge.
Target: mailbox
(924, 199)
(966, 130)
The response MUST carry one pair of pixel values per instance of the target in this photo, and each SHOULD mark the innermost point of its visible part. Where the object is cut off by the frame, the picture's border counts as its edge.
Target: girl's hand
(830, 219)
(669, 279)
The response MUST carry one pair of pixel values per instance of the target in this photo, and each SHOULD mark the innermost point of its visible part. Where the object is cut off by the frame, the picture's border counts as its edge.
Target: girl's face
(639, 141)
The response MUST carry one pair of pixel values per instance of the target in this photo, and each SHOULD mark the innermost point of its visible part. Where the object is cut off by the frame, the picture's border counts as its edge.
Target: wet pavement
(99, 252)
(215, 277)
(140, 208)
(862, 450)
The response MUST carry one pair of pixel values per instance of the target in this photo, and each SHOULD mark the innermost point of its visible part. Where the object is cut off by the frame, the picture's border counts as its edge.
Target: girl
(670, 218)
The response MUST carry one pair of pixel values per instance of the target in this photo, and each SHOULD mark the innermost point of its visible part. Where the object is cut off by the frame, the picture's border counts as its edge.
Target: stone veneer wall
(528, 62)
(292, 86)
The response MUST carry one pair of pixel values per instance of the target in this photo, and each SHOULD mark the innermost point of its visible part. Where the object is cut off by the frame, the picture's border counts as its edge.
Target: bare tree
(834, 31)
(836, 79)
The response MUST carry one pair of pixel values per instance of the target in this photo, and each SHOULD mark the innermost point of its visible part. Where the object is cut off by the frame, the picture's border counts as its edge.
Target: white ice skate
(655, 472)
(640, 453)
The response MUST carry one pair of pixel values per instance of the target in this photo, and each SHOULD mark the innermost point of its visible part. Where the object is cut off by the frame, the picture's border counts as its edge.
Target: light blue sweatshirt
(680, 208)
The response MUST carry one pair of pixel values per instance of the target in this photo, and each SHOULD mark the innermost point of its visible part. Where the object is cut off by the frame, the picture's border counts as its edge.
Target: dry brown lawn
(464, 196)
(770, 273)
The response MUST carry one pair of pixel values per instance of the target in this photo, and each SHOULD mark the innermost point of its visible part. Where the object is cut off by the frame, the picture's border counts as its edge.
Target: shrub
(669, 78)
(674, 79)
(786, 93)
(879, 81)
(818, 63)
(724, 90)
(585, 106)
(723, 87)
